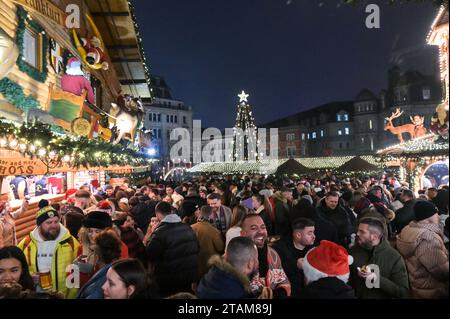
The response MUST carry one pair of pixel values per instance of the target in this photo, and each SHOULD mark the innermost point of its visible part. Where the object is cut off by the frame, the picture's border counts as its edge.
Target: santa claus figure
(95, 54)
(75, 82)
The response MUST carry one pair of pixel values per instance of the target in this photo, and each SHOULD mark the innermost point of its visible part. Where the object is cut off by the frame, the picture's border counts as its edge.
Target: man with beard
(49, 249)
(270, 271)
(330, 209)
(229, 277)
(293, 248)
(378, 270)
(221, 215)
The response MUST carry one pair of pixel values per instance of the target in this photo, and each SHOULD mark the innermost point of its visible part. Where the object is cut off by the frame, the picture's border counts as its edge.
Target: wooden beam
(111, 14)
(120, 60)
(122, 47)
(134, 81)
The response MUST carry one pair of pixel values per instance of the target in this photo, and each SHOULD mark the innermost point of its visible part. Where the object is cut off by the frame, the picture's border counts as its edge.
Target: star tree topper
(243, 97)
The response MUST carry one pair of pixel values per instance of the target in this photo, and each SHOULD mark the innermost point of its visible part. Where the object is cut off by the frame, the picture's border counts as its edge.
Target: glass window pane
(30, 43)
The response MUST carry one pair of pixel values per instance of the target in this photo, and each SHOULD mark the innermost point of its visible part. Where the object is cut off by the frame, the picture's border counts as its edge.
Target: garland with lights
(14, 94)
(23, 20)
(140, 46)
(37, 140)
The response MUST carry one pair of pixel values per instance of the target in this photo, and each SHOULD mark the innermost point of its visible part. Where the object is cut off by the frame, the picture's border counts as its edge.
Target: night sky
(288, 57)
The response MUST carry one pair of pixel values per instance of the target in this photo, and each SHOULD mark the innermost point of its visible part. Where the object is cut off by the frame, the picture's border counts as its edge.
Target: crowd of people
(233, 237)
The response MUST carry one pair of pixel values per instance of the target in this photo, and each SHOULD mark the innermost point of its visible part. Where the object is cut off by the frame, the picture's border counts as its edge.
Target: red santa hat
(327, 260)
(70, 192)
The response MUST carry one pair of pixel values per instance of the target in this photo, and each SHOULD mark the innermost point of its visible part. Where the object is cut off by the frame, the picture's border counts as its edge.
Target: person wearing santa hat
(326, 269)
(75, 82)
(378, 270)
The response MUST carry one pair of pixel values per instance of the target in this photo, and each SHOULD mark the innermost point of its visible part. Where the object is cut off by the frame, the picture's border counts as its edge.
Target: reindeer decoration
(415, 129)
(125, 118)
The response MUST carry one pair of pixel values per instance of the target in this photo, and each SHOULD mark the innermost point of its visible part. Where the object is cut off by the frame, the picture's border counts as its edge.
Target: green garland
(38, 137)
(40, 76)
(13, 92)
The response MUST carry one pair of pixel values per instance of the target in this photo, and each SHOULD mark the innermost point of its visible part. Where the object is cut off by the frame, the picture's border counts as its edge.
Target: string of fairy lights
(38, 140)
(245, 124)
(140, 45)
(269, 166)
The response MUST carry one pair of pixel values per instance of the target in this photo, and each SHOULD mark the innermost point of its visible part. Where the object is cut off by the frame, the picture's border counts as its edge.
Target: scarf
(220, 221)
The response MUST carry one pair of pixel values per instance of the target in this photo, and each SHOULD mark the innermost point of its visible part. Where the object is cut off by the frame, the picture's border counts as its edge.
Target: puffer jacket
(223, 281)
(173, 252)
(422, 246)
(65, 253)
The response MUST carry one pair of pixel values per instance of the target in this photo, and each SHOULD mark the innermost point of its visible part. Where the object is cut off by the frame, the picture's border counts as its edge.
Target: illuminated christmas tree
(244, 132)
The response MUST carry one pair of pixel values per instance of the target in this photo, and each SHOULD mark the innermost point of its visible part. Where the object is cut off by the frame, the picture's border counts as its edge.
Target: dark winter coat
(173, 253)
(339, 218)
(289, 255)
(328, 288)
(282, 215)
(93, 288)
(223, 281)
(393, 274)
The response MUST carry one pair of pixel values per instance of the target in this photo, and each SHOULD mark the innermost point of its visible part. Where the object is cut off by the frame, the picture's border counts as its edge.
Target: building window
(171, 119)
(184, 119)
(290, 137)
(167, 118)
(321, 133)
(371, 143)
(176, 119)
(314, 135)
(362, 140)
(348, 145)
(290, 151)
(32, 48)
(303, 136)
(426, 94)
(339, 132)
(150, 117)
(308, 136)
(339, 117)
(370, 125)
(345, 117)
(347, 131)
(159, 117)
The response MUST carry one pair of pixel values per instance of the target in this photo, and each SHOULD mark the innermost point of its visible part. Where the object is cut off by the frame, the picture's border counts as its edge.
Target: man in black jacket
(173, 252)
(404, 215)
(330, 210)
(293, 248)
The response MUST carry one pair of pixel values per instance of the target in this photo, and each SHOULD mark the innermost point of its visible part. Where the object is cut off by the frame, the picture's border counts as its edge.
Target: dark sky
(288, 57)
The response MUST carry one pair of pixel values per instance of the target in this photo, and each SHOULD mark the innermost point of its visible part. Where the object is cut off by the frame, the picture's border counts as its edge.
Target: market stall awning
(357, 164)
(291, 167)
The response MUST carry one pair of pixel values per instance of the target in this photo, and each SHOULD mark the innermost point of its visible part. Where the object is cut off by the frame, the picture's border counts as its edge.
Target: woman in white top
(238, 215)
